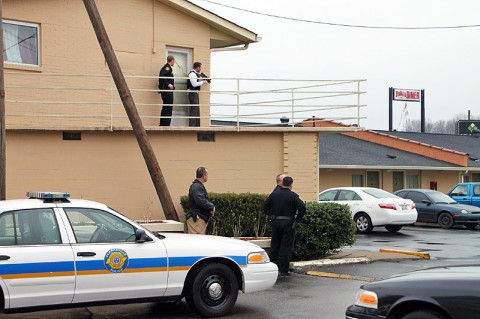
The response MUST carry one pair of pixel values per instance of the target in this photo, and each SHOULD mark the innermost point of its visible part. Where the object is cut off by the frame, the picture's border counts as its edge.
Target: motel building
(67, 129)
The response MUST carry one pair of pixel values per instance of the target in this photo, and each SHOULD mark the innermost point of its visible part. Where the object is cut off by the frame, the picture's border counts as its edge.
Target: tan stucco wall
(445, 179)
(108, 166)
(140, 31)
(300, 159)
(330, 178)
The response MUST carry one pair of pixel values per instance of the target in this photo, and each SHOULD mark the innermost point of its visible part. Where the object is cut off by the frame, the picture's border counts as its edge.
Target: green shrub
(237, 215)
(326, 228)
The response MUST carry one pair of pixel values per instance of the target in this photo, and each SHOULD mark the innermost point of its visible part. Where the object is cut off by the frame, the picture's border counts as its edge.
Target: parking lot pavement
(298, 296)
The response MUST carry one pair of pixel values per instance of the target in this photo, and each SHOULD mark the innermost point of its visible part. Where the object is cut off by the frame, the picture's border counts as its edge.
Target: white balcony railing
(40, 100)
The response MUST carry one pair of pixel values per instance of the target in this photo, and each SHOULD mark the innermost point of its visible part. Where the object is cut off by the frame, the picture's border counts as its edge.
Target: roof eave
(215, 21)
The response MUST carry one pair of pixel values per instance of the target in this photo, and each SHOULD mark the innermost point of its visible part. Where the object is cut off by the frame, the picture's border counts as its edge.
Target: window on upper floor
(21, 43)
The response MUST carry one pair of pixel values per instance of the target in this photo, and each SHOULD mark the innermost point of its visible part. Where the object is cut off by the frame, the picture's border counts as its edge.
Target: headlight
(258, 258)
(366, 299)
(465, 211)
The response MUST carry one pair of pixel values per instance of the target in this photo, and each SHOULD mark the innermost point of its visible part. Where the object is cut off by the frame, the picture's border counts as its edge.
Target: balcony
(42, 101)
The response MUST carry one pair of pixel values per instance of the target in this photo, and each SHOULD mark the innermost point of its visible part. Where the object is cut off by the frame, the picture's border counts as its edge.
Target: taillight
(414, 206)
(388, 206)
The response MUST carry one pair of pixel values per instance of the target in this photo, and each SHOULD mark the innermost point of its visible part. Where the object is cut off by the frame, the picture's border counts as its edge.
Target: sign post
(3, 153)
(406, 95)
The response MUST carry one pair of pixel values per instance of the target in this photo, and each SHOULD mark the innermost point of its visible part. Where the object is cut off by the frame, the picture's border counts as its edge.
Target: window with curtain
(20, 43)
(357, 180)
(412, 181)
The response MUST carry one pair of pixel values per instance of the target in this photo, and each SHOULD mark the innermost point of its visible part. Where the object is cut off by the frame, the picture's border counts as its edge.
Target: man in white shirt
(194, 84)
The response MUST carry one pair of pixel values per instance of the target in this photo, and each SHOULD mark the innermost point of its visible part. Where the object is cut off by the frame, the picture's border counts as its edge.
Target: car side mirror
(425, 201)
(140, 236)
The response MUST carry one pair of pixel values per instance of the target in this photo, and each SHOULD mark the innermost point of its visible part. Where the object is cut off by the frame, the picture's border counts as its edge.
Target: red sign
(407, 95)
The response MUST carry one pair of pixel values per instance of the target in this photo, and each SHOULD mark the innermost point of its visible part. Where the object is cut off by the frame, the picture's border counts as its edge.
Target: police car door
(36, 260)
(109, 264)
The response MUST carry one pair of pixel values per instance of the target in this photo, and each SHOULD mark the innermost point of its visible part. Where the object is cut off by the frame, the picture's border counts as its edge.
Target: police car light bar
(48, 195)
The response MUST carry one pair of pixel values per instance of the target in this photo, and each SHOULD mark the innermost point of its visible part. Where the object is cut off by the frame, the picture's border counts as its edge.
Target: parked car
(436, 207)
(57, 252)
(466, 193)
(437, 293)
(373, 207)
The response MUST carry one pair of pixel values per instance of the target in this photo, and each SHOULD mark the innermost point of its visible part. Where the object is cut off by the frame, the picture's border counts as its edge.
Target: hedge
(237, 215)
(326, 227)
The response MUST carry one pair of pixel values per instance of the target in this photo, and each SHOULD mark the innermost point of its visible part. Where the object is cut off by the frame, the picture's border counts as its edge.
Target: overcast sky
(443, 62)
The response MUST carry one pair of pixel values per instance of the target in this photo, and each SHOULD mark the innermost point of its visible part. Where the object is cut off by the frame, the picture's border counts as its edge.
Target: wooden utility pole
(3, 153)
(132, 112)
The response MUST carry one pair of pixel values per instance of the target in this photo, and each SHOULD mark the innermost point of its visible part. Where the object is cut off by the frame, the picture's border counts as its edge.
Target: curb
(406, 252)
(340, 276)
(329, 262)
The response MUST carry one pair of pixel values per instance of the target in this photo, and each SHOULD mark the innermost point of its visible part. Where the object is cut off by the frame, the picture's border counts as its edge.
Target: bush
(237, 215)
(326, 228)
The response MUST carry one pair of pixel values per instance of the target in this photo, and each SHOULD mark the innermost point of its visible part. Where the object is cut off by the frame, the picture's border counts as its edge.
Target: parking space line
(340, 276)
(406, 252)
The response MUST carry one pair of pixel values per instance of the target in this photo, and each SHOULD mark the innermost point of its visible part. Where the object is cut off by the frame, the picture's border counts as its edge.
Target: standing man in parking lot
(200, 208)
(167, 85)
(285, 208)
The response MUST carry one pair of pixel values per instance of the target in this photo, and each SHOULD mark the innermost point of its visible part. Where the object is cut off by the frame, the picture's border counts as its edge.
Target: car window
(460, 190)
(417, 197)
(98, 226)
(379, 193)
(401, 194)
(348, 195)
(476, 190)
(328, 196)
(29, 227)
(438, 198)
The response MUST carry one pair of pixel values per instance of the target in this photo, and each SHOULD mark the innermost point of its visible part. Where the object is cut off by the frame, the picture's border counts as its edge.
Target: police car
(61, 252)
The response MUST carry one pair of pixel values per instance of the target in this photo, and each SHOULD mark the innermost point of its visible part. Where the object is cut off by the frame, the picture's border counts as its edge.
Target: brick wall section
(108, 166)
(300, 160)
(415, 147)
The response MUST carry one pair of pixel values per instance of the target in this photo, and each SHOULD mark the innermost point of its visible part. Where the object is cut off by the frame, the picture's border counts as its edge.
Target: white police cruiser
(57, 252)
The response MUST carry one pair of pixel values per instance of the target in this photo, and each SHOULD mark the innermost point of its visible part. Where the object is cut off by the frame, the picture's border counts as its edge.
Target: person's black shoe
(284, 274)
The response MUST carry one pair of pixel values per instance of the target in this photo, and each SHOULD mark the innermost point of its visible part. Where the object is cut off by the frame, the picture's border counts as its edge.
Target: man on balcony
(167, 86)
(193, 85)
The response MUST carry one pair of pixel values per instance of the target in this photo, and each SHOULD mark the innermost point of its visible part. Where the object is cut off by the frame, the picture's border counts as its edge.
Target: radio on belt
(48, 195)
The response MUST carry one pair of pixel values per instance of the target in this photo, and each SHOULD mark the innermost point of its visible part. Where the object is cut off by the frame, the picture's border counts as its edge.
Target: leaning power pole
(3, 153)
(132, 112)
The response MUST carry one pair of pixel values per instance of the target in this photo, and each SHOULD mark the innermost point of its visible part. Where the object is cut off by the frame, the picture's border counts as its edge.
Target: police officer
(279, 180)
(285, 208)
(194, 84)
(167, 85)
(200, 208)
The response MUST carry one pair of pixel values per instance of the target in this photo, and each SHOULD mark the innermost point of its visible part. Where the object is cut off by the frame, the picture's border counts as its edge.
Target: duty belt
(282, 217)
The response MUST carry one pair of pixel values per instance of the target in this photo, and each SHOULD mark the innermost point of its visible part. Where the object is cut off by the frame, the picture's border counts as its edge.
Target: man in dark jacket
(285, 208)
(167, 86)
(279, 180)
(200, 208)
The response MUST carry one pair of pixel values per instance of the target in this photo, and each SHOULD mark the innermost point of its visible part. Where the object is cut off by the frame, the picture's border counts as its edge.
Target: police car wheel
(213, 290)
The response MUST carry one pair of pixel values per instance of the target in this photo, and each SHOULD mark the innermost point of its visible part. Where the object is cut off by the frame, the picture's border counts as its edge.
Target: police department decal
(116, 260)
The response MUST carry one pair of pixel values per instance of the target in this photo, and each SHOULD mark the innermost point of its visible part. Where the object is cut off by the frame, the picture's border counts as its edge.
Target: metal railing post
(293, 107)
(111, 104)
(238, 104)
(358, 104)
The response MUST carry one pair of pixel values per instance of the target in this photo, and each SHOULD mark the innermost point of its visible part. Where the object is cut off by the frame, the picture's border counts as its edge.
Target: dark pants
(283, 237)
(167, 108)
(194, 111)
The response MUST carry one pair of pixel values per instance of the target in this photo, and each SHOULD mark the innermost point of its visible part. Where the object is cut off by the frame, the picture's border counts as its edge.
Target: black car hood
(440, 273)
